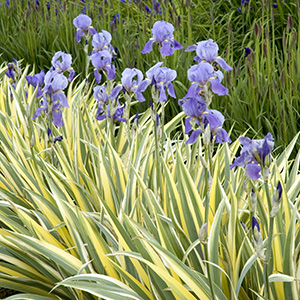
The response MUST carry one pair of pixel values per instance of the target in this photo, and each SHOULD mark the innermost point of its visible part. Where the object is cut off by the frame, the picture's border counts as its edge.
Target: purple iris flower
(101, 96)
(117, 116)
(37, 80)
(101, 41)
(62, 63)
(131, 80)
(196, 110)
(102, 61)
(162, 32)
(83, 24)
(55, 83)
(161, 78)
(255, 155)
(215, 120)
(203, 76)
(208, 51)
(13, 67)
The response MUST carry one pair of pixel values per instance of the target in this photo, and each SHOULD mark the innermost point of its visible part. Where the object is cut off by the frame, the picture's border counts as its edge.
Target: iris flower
(117, 115)
(54, 97)
(131, 80)
(102, 61)
(62, 63)
(255, 155)
(162, 32)
(196, 110)
(276, 200)
(204, 77)
(101, 41)
(208, 51)
(161, 78)
(13, 67)
(37, 80)
(83, 24)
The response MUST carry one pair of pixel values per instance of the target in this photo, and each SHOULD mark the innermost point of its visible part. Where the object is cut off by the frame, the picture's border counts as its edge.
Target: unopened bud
(276, 200)
(203, 162)
(253, 201)
(206, 136)
(203, 234)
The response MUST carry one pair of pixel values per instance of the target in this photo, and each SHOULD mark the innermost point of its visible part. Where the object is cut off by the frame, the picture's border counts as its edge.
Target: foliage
(82, 219)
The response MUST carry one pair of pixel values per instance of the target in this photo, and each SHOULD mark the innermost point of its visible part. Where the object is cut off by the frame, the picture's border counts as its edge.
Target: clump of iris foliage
(258, 38)
(100, 202)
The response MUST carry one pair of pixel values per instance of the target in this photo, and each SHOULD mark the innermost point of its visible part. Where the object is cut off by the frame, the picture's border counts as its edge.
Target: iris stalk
(268, 266)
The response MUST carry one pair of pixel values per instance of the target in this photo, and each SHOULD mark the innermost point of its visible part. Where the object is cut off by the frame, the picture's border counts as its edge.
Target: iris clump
(205, 82)
(162, 33)
(50, 88)
(255, 156)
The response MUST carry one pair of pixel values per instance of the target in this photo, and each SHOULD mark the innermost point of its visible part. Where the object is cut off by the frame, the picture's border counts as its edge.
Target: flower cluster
(205, 81)
(50, 87)
(103, 51)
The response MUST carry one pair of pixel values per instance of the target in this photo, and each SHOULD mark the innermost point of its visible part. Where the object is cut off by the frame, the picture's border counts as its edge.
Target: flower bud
(276, 200)
(253, 201)
(203, 234)
(258, 240)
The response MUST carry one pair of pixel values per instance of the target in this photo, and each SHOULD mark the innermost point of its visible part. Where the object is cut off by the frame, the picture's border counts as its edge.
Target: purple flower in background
(83, 24)
(37, 80)
(247, 51)
(102, 61)
(162, 32)
(61, 62)
(207, 51)
(131, 80)
(255, 155)
(101, 41)
(161, 78)
(203, 76)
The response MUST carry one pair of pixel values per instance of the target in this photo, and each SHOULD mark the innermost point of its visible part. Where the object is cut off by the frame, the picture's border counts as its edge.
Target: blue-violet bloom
(62, 63)
(83, 24)
(255, 155)
(208, 51)
(161, 78)
(204, 77)
(37, 80)
(162, 32)
(131, 80)
(101, 41)
(102, 61)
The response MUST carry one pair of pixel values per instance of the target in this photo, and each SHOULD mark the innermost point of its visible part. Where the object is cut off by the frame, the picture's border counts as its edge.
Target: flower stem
(268, 267)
